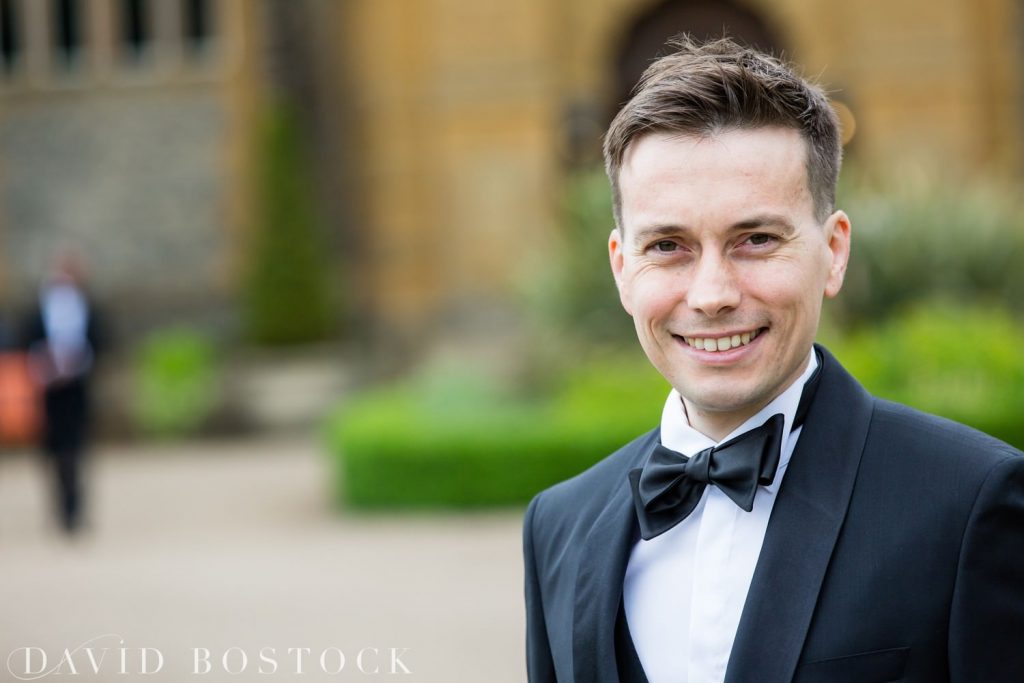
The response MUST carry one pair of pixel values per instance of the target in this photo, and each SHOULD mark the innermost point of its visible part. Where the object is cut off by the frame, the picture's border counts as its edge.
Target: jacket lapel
(602, 566)
(802, 531)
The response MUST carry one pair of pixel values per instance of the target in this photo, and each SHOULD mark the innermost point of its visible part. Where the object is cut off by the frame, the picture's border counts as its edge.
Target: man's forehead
(721, 138)
(773, 152)
(756, 170)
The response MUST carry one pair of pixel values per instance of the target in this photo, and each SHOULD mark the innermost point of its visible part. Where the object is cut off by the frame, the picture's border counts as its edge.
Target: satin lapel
(802, 531)
(602, 567)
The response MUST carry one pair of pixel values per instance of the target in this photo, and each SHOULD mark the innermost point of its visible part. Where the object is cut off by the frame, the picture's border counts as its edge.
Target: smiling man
(718, 243)
(780, 524)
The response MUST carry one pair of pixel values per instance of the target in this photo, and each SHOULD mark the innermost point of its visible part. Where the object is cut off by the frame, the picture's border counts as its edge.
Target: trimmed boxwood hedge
(965, 364)
(467, 445)
(460, 442)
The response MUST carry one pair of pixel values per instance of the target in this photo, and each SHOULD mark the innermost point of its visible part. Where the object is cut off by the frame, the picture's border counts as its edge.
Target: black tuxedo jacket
(894, 552)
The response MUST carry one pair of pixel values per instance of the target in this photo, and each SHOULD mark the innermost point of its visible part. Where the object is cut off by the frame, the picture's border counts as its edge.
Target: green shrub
(620, 390)
(961, 363)
(461, 442)
(918, 238)
(176, 383)
(574, 292)
(287, 290)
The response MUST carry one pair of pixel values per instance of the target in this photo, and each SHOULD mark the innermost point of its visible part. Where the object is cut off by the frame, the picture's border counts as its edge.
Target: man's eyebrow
(764, 220)
(646, 233)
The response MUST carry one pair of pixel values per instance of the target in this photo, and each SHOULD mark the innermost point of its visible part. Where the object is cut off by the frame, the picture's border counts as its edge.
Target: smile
(721, 343)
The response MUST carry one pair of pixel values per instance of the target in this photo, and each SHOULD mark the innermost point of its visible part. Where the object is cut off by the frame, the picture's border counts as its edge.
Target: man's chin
(727, 401)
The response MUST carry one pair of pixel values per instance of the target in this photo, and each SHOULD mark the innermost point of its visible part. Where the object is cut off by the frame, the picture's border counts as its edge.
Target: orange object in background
(20, 406)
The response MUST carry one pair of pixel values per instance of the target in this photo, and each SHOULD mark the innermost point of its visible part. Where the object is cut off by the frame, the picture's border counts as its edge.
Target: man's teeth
(720, 343)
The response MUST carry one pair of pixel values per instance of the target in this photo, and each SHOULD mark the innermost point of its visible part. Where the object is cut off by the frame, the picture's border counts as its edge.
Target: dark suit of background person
(894, 549)
(64, 371)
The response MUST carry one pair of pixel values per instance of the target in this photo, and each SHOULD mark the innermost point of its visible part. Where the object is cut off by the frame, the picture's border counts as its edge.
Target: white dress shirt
(684, 590)
(65, 316)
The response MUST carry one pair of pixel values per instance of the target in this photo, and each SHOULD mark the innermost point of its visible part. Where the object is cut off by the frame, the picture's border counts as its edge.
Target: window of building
(10, 46)
(67, 31)
(136, 29)
(196, 25)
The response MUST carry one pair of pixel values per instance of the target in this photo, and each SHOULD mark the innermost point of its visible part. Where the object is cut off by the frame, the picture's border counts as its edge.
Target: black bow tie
(669, 485)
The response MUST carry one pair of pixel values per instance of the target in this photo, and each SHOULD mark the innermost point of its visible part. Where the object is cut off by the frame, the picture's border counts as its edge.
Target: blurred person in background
(62, 339)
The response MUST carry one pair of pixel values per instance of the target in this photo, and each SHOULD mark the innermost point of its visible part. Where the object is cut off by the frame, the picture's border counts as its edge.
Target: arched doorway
(646, 38)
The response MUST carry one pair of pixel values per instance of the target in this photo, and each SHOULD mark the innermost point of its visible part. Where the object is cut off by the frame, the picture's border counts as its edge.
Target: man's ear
(837, 232)
(616, 256)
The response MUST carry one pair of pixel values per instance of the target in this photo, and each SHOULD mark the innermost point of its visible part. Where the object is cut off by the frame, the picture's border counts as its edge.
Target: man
(62, 339)
(781, 524)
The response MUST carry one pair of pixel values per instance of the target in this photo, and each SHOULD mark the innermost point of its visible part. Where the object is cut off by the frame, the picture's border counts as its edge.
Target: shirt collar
(678, 435)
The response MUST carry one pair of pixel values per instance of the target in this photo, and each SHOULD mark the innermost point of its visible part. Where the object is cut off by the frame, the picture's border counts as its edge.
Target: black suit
(894, 552)
(67, 412)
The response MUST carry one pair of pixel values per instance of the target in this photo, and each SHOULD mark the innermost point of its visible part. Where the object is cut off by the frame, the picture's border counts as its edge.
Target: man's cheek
(654, 299)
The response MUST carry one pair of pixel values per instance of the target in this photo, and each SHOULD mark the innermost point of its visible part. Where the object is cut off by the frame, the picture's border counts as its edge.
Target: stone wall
(469, 113)
(135, 180)
(138, 160)
(445, 129)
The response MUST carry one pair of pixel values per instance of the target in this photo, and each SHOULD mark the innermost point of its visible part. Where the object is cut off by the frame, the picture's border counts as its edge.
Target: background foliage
(963, 363)
(580, 298)
(460, 441)
(176, 382)
(287, 295)
(917, 239)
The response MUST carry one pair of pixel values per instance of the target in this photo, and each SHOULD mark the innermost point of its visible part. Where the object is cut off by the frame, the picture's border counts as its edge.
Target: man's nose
(713, 288)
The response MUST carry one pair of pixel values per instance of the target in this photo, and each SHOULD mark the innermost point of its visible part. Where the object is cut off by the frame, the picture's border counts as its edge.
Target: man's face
(723, 267)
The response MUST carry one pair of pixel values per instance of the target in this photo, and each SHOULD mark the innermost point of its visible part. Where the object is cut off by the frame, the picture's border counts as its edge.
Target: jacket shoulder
(909, 449)
(941, 438)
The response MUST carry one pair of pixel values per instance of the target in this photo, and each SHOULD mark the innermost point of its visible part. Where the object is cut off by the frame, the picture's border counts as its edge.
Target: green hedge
(962, 363)
(457, 441)
(466, 444)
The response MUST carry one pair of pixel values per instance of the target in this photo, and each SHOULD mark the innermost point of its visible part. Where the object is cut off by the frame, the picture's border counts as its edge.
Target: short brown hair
(704, 88)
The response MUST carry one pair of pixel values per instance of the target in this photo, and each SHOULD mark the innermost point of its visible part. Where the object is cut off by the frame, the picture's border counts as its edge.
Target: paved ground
(234, 547)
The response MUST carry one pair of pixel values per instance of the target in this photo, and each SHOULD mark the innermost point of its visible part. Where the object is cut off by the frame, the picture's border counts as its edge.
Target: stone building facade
(468, 114)
(122, 136)
(441, 130)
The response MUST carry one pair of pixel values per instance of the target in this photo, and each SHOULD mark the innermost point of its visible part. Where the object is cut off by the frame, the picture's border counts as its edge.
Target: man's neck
(717, 425)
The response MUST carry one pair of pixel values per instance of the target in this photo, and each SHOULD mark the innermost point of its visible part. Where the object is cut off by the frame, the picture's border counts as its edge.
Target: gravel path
(233, 548)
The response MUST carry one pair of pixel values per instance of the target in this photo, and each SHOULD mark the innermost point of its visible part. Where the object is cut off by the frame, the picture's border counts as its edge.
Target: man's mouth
(722, 343)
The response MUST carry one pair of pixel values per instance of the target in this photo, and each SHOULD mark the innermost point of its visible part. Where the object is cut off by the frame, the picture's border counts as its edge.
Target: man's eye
(665, 246)
(760, 239)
